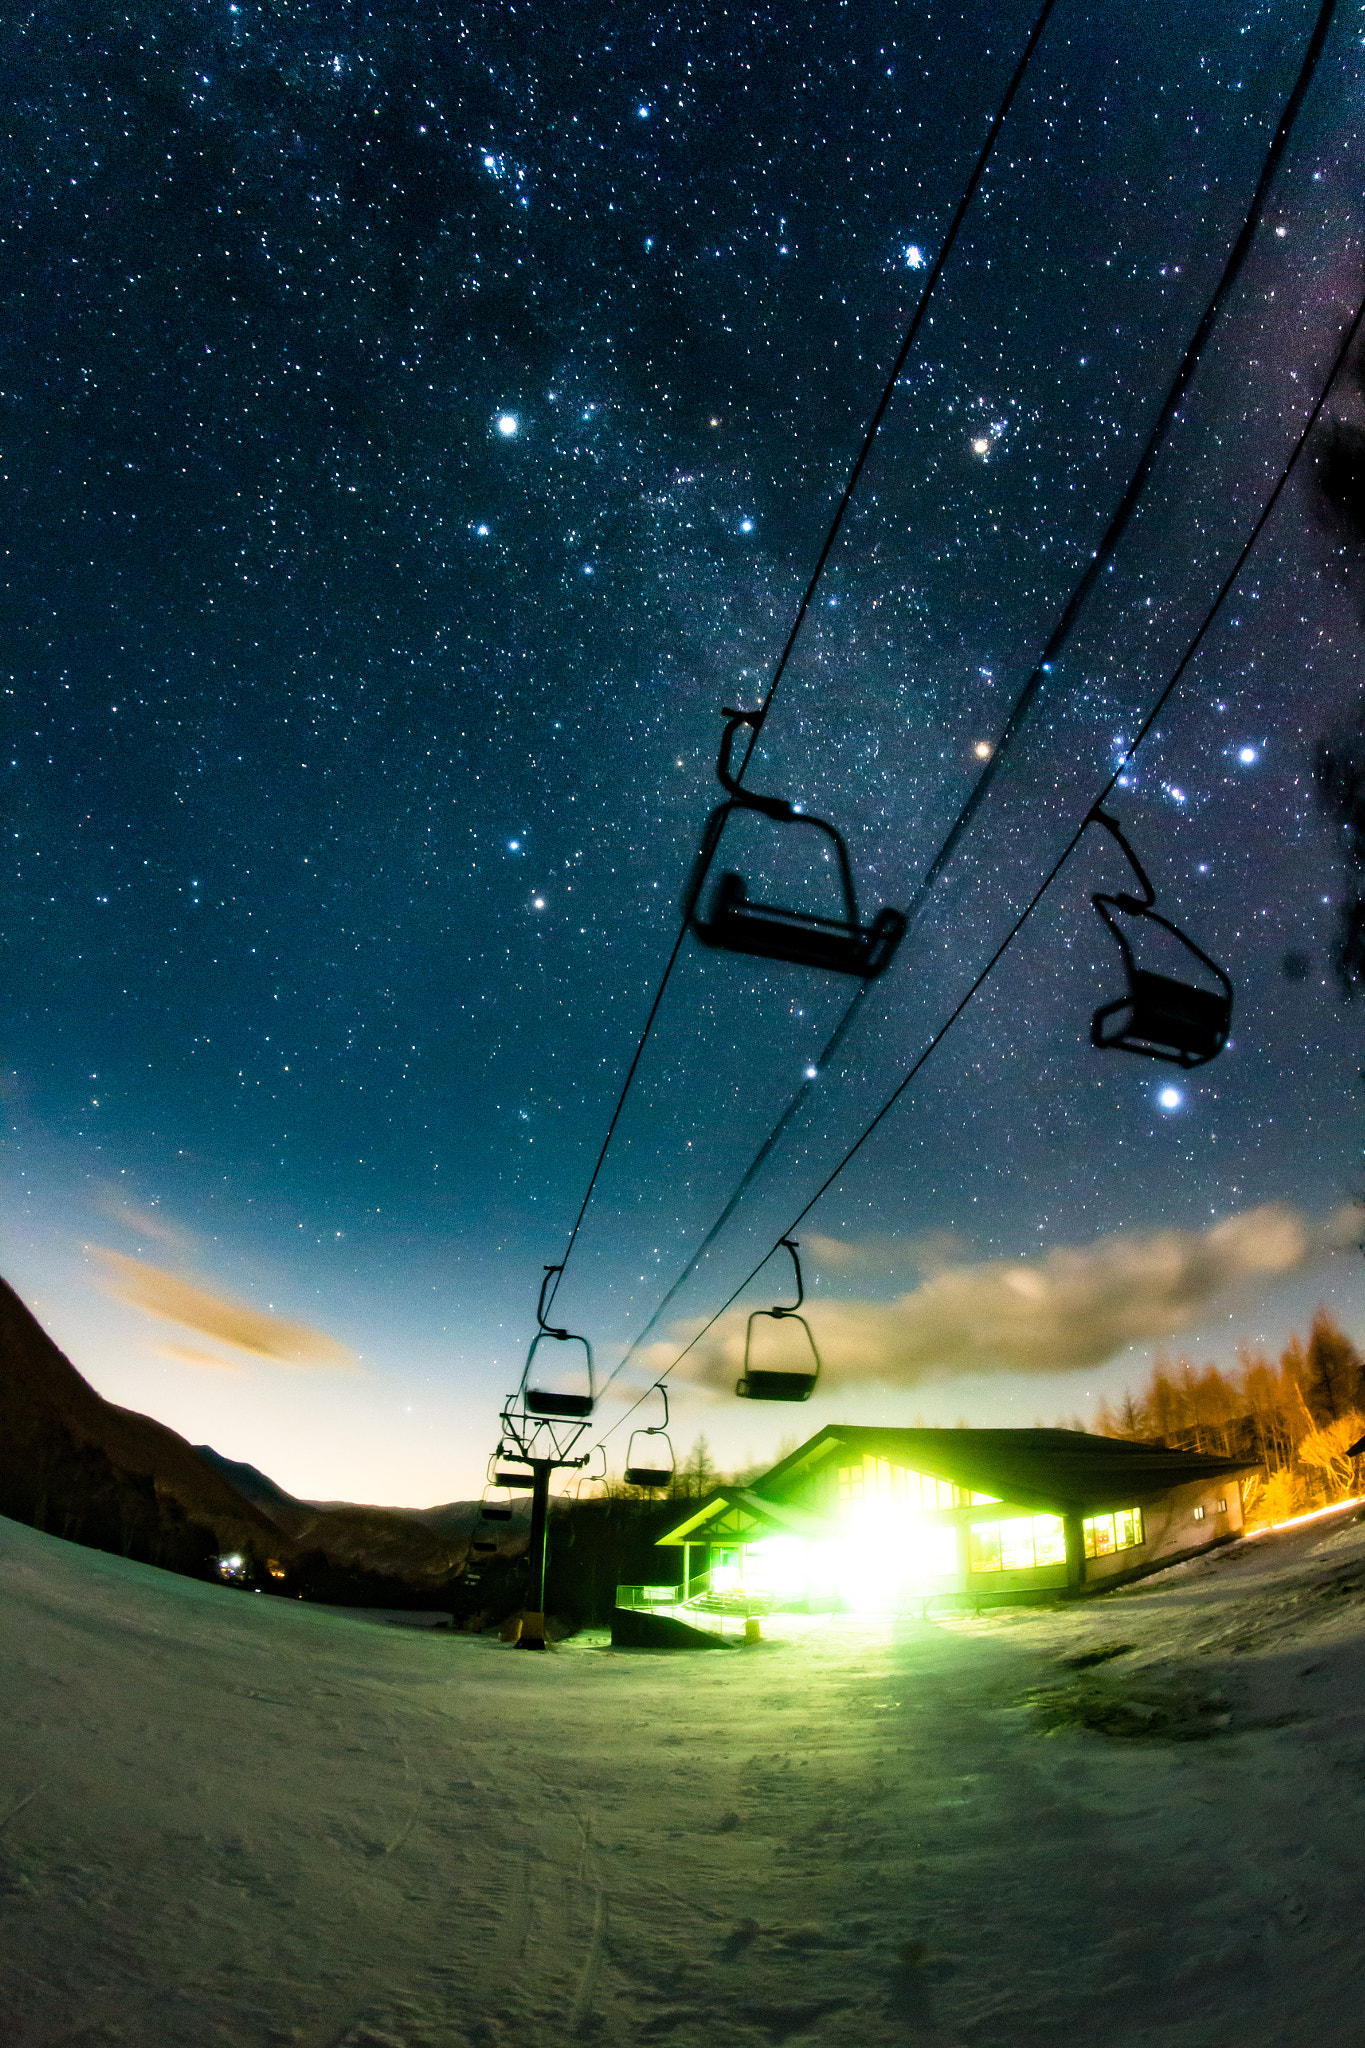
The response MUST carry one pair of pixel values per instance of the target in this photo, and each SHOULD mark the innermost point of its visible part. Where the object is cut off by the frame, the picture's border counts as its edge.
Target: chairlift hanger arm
(1115, 830)
(1107, 902)
(548, 1328)
(748, 799)
(790, 1243)
(1183, 938)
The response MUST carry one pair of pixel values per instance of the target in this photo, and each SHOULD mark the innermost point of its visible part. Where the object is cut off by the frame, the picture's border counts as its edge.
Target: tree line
(1296, 1416)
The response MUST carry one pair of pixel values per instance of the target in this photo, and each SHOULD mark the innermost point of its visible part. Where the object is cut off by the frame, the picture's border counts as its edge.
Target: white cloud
(1073, 1307)
(173, 1300)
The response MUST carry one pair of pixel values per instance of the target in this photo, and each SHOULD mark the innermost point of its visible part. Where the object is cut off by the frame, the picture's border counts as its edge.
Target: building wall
(1172, 1529)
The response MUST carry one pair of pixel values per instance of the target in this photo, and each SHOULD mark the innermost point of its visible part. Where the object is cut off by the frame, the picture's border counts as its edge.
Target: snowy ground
(231, 1819)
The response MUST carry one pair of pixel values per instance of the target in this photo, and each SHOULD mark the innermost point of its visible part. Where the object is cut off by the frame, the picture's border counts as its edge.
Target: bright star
(507, 424)
(1170, 1098)
(914, 256)
(746, 525)
(981, 445)
(983, 750)
(1247, 756)
(537, 903)
(643, 112)
(514, 846)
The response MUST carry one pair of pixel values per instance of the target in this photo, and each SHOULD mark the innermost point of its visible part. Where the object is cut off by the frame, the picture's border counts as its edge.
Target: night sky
(416, 424)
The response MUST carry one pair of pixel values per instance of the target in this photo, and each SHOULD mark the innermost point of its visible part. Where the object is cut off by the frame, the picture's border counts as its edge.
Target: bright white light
(811, 1073)
(746, 525)
(914, 256)
(981, 445)
(643, 112)
(507, 424)
(1170, 1098)
(482, 531)
(1177, 796)
(983, 750)
(537, 903)
(514, 846)
(1247, 756)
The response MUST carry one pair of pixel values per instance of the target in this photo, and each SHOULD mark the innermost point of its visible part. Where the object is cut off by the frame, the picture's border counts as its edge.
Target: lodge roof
(1049, 1470)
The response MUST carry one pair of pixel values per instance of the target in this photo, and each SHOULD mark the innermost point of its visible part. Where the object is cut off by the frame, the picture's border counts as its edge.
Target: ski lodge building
(877, 1519)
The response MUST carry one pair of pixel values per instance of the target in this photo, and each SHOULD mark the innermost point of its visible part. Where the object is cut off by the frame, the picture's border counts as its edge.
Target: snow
(226, 1818)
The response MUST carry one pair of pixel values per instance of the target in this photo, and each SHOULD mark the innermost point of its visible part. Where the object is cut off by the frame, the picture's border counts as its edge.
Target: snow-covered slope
(226, 1819)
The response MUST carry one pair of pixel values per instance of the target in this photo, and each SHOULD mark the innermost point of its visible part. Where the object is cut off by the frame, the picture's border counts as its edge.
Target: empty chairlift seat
(796, 1379)
(734, 922)
(650, 1462)
(1160, 1017)
(573, 1401)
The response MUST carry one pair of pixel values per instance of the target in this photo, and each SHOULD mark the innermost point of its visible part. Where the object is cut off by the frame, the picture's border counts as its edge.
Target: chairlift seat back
(768, 932)
(570, 1407)
(489, 1513)
(648, 1475)
(776, 1386)
(485, 1545)
(522, 1481)
(1165, 1019)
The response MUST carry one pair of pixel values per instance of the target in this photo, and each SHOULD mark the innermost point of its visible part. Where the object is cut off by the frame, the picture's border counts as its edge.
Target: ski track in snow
(241, 1821)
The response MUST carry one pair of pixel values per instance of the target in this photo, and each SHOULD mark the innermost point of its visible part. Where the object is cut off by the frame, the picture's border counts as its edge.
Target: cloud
(929, 1251)
(184, 1354)
(142, 1221)
(1075, 1307)
(174, 1300)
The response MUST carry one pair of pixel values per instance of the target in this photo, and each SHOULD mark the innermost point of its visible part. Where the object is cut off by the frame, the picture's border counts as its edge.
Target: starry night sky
(415, 425)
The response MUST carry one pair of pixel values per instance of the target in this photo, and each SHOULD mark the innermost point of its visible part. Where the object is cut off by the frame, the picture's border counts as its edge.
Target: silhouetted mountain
(252, 1484)
(79, 1467)
(74, 1464)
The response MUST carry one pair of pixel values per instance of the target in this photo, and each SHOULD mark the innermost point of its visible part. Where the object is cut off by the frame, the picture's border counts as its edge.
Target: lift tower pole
(538, 1555)
(544, 1447)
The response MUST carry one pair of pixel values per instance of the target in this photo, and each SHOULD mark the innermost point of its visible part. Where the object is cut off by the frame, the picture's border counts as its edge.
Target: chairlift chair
(737, 924)
(484, 1541)
(761, 1385)
(645, 1467)
(494, 1510)
(1160, 1017)
(560, 1404)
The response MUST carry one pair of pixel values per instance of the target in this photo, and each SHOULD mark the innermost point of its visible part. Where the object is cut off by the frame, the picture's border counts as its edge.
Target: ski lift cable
(911, 334)
(1061, 632)
(1156, 440)
(1205, 625)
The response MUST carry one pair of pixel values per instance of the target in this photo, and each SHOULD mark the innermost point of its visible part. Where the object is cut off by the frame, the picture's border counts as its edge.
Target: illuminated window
(1221, 1506)
(1120, 1531)
(878, 1479)
(1016, 1546)
(1199, 1514)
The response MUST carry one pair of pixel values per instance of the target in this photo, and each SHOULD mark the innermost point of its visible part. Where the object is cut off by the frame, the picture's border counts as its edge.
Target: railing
(649, 1596)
